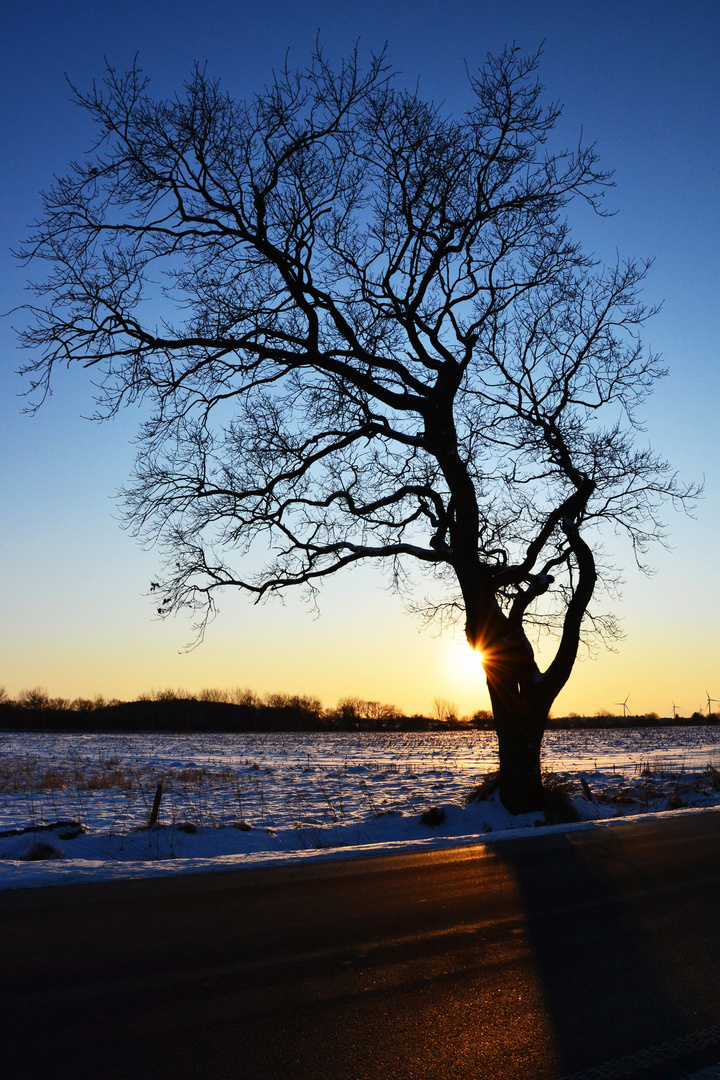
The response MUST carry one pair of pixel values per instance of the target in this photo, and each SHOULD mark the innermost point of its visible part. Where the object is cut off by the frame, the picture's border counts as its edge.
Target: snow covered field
(255, 799)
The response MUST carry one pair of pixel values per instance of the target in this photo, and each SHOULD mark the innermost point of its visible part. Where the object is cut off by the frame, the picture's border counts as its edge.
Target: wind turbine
(624, 705)
(675, 709)
(711, 700)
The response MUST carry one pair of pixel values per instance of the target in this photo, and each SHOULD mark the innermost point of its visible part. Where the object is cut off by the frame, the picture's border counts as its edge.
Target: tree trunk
(520, 702)
(519, 742)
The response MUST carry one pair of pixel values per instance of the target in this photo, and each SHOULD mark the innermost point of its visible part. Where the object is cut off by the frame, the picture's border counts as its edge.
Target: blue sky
(640, 79)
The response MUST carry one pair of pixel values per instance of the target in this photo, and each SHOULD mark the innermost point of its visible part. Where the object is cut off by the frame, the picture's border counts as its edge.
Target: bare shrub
(37, 698)
(212, 694)
(445, 711)
(243, 695)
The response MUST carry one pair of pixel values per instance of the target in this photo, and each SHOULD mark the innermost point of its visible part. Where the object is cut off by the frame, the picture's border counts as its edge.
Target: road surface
(534, 958)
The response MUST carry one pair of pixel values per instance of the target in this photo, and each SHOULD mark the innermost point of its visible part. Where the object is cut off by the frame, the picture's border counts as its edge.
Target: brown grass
(52, 780)
(487, 786)
(114, 780)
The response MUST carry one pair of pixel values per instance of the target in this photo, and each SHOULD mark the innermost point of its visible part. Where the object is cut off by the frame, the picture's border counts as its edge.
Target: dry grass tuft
(433, 816)
(560, 789)
(487, 787)
(115, 780)
(52, 780)
(41, 849)
(193, 776)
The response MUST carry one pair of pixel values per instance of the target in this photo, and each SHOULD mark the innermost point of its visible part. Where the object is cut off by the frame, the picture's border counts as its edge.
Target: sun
(465, 664)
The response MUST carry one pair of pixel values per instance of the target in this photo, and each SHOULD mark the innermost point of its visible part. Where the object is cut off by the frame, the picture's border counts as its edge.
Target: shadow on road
(622, 965)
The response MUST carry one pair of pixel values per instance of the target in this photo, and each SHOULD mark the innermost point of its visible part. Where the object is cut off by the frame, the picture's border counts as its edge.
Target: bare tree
(363, 332)
(445, 711)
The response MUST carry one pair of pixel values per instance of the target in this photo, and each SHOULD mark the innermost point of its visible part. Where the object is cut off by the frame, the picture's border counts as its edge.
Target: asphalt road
(533, 958)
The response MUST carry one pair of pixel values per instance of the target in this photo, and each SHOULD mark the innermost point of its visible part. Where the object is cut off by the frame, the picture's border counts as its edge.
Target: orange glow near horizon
(465, 668)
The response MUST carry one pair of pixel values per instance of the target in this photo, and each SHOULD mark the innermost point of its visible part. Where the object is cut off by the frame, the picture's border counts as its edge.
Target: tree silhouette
(363, 333)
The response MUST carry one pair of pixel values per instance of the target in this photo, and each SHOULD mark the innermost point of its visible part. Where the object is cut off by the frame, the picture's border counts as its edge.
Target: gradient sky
(642, 79)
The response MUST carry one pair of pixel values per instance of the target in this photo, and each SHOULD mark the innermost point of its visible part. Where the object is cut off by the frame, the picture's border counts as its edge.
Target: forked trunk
(519, 742)
(520, 698)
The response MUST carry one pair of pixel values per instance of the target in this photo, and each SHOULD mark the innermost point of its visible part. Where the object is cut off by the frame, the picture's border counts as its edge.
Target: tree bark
(519, 743)
(520, 704)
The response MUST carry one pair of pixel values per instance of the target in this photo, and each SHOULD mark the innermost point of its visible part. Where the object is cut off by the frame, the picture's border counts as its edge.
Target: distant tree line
(209, 710)
(244, 710)
(605, 719)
